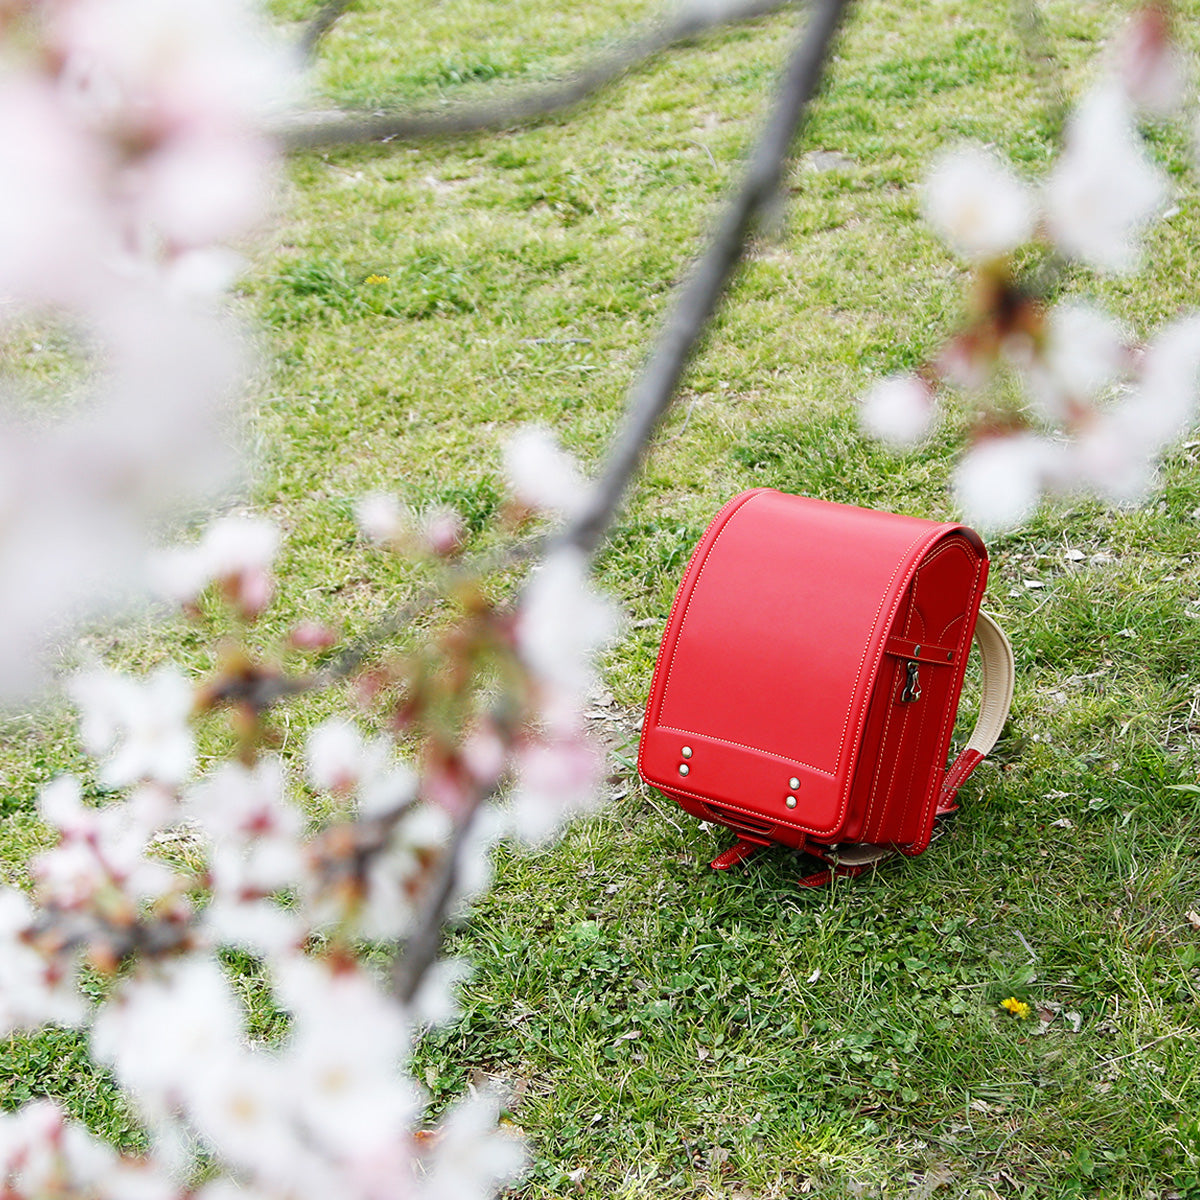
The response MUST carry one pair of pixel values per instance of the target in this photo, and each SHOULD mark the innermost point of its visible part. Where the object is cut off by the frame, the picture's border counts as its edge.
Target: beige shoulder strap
(999, 675)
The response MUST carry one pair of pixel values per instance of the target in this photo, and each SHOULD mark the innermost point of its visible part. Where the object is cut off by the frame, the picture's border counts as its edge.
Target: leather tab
(734, 855)
(821, 878)
(964, 764)
(921, 652)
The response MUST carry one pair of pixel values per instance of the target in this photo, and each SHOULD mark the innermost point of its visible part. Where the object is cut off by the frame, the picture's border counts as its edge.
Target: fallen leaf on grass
(1194, 918)
(815, 976)
(1063, 823)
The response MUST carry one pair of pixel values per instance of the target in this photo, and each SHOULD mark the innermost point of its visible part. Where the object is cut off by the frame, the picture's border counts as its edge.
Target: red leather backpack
(809, 676)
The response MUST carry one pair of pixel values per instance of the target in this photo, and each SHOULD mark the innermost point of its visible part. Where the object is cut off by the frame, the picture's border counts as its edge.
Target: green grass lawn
(666, 1031)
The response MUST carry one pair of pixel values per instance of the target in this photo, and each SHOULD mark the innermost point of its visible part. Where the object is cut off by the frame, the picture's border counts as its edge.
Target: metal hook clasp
(912, 683)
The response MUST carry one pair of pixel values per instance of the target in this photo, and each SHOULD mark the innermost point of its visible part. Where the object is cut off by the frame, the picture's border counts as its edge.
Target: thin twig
(343, 128)
(421, 950)
(353, 656)
(654, 389)
(1028, 947)
(1108, 1062)
(319, 26)
(263, 689)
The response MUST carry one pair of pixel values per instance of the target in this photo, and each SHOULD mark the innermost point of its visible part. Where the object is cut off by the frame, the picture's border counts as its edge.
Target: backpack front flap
(769, 659)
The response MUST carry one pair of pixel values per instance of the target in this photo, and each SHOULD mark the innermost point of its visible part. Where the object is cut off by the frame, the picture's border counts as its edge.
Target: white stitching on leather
(936, 787)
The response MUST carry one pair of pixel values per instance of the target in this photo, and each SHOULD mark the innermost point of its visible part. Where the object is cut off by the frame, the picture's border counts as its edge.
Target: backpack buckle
(912, 681)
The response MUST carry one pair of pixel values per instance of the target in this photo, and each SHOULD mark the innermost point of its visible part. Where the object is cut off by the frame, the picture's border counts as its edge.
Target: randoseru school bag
(809, 676)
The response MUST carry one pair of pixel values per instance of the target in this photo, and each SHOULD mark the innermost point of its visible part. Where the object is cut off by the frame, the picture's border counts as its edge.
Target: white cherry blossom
(236, 552)
(381, 518)
(978, 204)
(472, 1158)
(563, 622)
(556, 779)
(102, 849)
(1103, 191)
(254, 829)
(141, 725)
(1085, 353)
(339, 757)
(33, 991)
(999, 481)
(541, 475)
(165, 1025)
(899, 410)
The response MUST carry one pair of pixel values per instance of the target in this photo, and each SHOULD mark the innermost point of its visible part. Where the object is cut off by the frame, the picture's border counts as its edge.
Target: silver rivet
(793, 783)
(686, 752)
(683, 768)
(790, 802)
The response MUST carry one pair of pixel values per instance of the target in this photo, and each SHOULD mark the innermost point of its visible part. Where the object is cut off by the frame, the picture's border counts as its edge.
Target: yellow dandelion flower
(1018, 1008)
(377, 279)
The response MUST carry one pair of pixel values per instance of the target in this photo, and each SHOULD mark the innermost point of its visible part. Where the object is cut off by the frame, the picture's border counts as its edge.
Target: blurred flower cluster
(133, 158)
(484, 737)
(1095, 410)
(131, 155)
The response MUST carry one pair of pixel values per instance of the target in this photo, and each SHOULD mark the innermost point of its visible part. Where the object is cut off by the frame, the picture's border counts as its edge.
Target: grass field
(667, 1031)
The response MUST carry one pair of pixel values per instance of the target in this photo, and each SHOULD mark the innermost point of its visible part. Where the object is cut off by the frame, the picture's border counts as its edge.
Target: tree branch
(652, 392)
(345, 128)
(420, 952)
(327, 17)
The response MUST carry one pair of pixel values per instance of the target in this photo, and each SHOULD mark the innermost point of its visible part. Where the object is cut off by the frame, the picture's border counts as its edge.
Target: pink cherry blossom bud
(1103, 191)
(236, 552)
(252, 591)
(978, 205)
(446, 786)
(381, 519)
(898, 410)
(1000, 481)
(312, 635)
(483, 755)
(1148, 62)
(442, 531)
(541, 475)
